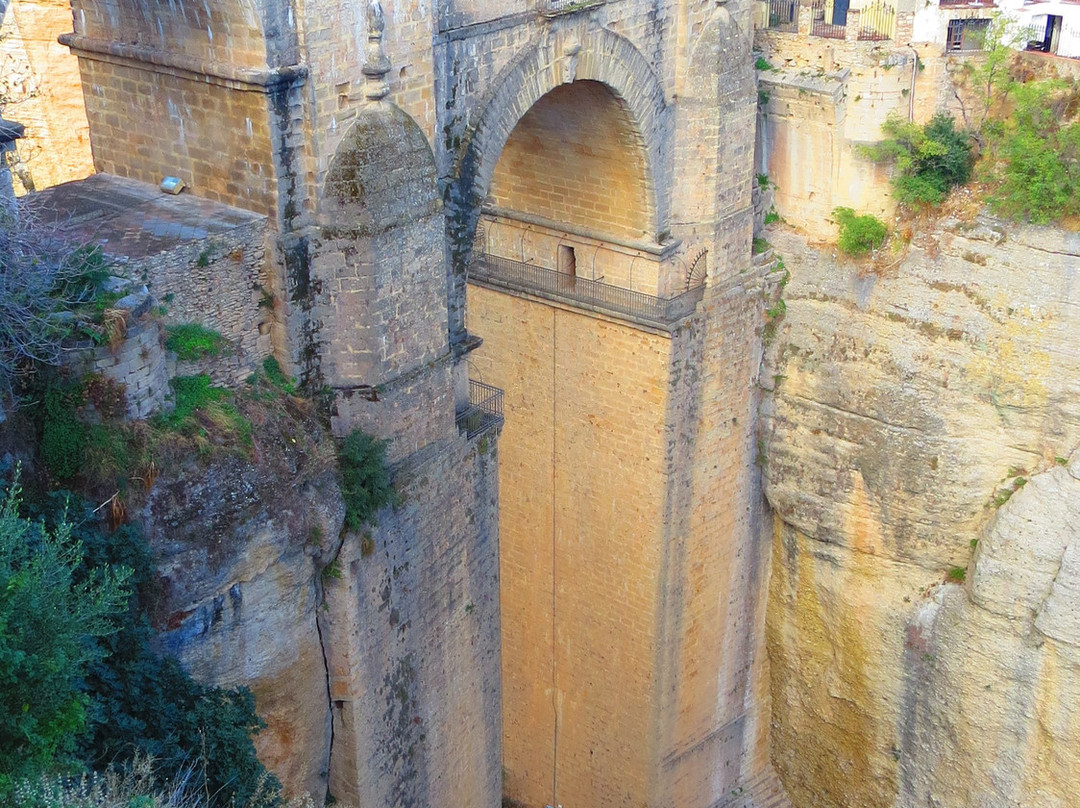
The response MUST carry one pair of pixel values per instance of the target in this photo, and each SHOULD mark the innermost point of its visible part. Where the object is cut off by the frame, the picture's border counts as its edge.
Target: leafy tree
(984, 83)
(929, 159)
(48, 618)
(1033, 155)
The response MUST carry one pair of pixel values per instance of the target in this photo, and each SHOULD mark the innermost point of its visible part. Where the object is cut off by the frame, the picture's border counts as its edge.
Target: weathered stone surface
(39, 82)
(1021, 554)
(906, 408)
(239, 548)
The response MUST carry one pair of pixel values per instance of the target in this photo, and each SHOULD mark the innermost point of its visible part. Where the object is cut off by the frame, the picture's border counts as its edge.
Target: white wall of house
(1032, 17)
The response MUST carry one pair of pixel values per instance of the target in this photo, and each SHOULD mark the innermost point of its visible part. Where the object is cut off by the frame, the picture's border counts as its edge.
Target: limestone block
(1018, 559)
(1059, 616)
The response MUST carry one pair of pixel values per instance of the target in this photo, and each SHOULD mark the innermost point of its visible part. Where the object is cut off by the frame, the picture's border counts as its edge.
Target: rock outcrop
(922, 625)
(240, 543)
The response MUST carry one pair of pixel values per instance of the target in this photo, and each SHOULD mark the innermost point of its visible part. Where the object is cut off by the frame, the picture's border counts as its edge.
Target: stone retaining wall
(217, 282)
(137, 362)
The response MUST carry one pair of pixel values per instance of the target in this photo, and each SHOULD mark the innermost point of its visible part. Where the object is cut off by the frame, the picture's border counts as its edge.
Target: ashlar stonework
(570, 612)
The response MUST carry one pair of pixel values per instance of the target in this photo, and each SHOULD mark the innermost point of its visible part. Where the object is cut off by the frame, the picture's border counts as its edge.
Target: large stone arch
(563, 55)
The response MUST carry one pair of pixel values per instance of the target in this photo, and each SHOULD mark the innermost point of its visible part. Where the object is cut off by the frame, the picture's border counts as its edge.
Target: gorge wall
(919, 457)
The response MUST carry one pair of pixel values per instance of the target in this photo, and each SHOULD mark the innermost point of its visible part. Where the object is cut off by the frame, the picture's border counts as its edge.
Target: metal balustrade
(493, 270)
(829, 18)
(485, 410)
(877, 21)
(784, 15)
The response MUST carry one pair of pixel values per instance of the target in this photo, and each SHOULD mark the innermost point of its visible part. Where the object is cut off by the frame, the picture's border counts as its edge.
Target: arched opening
(574, 180)
(576, 157)
(567, 247)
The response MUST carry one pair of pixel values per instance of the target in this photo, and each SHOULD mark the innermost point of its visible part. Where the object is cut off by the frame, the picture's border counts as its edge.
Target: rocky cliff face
(922, 624)
(240, 542)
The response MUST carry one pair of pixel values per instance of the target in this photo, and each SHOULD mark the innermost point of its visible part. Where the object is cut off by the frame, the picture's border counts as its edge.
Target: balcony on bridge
(871, 20)
(646, 284)
(484, 411)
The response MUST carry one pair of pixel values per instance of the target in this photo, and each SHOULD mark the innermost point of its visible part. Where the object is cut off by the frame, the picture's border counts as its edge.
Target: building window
(967, 35)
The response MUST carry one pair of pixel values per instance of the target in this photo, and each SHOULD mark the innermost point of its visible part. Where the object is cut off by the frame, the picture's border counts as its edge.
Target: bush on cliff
(1032, 156)
(144, 704)
(365, 479)
(930, 159)
(50, 617)
(859, 235)
(81, 686)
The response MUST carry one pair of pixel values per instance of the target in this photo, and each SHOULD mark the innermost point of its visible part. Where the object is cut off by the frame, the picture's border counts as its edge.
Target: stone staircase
(763, 791)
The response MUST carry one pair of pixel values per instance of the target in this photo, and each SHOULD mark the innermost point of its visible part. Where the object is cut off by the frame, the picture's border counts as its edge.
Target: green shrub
(365, 479)
(64, 435)
(48, 617)
(859, 235)
(141, 704)
(1033, 155)
(190, 341)
(276, 376)
(929, 159)
(191, 393)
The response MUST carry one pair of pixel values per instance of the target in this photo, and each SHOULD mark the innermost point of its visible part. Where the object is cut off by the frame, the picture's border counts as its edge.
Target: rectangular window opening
(568, 263)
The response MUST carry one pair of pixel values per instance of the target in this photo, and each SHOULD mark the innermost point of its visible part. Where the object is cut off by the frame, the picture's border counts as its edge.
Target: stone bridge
(571, 615)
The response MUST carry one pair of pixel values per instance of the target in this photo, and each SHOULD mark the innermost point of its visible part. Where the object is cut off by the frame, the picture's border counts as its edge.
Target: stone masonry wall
(138, 362)
(713, 673)
(218, 282)
(582, 481)
(148, 125)
(412, 639)
(224, 32)
(819, 102)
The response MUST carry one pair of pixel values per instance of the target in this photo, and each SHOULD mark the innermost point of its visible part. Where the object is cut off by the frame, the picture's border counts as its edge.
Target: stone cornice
(183, 65)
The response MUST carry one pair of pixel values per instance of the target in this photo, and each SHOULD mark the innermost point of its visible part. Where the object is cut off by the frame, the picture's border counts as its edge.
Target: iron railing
(493, 270)
(784, 15)
(877, 22)
(556, 7)
(829, 18)
(967, 35)
(485, 410)
(947, 3)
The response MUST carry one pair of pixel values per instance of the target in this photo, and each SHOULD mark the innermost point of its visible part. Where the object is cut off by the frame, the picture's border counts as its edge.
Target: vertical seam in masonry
(554, 655)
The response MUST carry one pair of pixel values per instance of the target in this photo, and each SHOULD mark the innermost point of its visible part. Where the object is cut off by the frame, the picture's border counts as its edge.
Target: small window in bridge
(568, 263)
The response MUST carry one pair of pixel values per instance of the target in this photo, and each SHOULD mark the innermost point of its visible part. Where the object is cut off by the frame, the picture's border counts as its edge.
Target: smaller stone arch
(379, 259)
(564, 55)
(382, 173)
